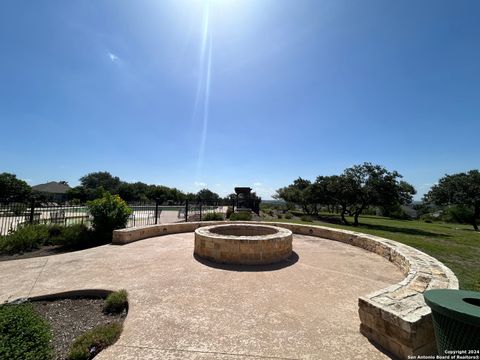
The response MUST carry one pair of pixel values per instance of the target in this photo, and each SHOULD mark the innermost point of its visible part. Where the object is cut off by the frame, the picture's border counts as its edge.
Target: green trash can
(456, 318)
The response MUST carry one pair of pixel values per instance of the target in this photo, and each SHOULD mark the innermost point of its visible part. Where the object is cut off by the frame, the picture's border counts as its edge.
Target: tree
(353, 191)
(458, 189)
(372, 185)
(394, 209)
(93, 185)
(207, 197)
(127, 192)
(230, 199)
(325, 191)
(13, 189)
(159, 193)
(300, 193)
(191, 197)
(177, 196)
(79, 194)
(133, 191)
(103, 179)
(339, 191)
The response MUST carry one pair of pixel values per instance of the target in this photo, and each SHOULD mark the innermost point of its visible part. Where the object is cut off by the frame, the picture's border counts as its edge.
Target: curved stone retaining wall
(396, 317)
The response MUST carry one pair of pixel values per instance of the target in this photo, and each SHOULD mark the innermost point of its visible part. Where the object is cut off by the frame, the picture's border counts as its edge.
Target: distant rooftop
(52, 187)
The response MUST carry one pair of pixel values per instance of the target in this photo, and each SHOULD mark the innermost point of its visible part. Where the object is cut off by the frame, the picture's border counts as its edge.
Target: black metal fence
(15, 214)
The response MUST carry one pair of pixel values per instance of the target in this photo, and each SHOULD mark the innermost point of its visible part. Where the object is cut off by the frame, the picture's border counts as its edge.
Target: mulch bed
(46, 251)
(69, 318)
(43, 251)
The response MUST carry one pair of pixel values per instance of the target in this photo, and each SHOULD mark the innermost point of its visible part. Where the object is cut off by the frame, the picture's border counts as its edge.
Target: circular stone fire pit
(245, 244)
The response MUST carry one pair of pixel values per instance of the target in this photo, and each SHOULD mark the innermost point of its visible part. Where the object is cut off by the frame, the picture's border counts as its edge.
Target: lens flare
(204, 84)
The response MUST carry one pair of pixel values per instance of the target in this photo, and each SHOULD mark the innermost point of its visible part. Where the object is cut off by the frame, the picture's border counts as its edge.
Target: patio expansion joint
(205, 352)
(38, 277)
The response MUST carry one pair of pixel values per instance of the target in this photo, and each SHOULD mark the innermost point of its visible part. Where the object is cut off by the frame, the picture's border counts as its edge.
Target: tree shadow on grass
(396, 229)
(333, 219)
(472, 230)
(250, 268)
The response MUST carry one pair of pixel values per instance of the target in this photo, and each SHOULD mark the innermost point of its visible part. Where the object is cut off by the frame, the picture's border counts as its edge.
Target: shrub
(26, 238)
(280, 216)
(429, 218)
(288, 216)
(75, 235)
(54, 232)
(19, 209)
(306, 218)
(229, 212)
(400, 214)
(116, 302)
(213, 216)
(30, 237)
(109, 212)
(372, 210)
(297, 213)
(290, 206)
(24, 334)
(241, 216)
(89, 344)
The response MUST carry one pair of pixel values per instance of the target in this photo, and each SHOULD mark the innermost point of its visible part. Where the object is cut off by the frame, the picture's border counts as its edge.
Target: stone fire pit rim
(280, 232)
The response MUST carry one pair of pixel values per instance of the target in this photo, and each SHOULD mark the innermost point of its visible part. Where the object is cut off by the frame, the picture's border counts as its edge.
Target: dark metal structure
(246, 200)
(243, 198)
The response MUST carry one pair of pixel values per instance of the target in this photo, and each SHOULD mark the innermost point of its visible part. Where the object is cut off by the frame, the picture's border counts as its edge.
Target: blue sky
(192, 93)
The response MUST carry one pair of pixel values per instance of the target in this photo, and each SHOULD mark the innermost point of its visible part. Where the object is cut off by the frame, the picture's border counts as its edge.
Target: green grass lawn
(456, 245)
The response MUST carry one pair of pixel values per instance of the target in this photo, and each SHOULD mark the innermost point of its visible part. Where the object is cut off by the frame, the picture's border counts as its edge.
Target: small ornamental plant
(241, 216)
(24, 334)
(213, 216)
(109, 212)
(89, 344)
(116, 302)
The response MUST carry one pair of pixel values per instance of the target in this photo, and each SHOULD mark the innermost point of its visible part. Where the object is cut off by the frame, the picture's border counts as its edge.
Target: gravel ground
(70, 318)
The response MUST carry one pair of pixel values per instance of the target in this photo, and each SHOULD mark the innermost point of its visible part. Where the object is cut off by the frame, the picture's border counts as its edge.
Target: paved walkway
(183, 309)
(168, 216)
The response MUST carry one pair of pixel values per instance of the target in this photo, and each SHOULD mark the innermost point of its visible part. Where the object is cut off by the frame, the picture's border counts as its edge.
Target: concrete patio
(181, 308)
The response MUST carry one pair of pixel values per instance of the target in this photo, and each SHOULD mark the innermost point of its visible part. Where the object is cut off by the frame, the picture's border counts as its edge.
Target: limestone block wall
(251, 244)
(396, 318)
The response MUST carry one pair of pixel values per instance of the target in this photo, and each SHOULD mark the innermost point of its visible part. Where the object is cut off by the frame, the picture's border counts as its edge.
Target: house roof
(52, 187)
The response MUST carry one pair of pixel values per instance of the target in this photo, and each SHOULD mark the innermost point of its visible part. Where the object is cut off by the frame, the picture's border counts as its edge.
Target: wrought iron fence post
(32, 210)
(186, 210)
(156, 211)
